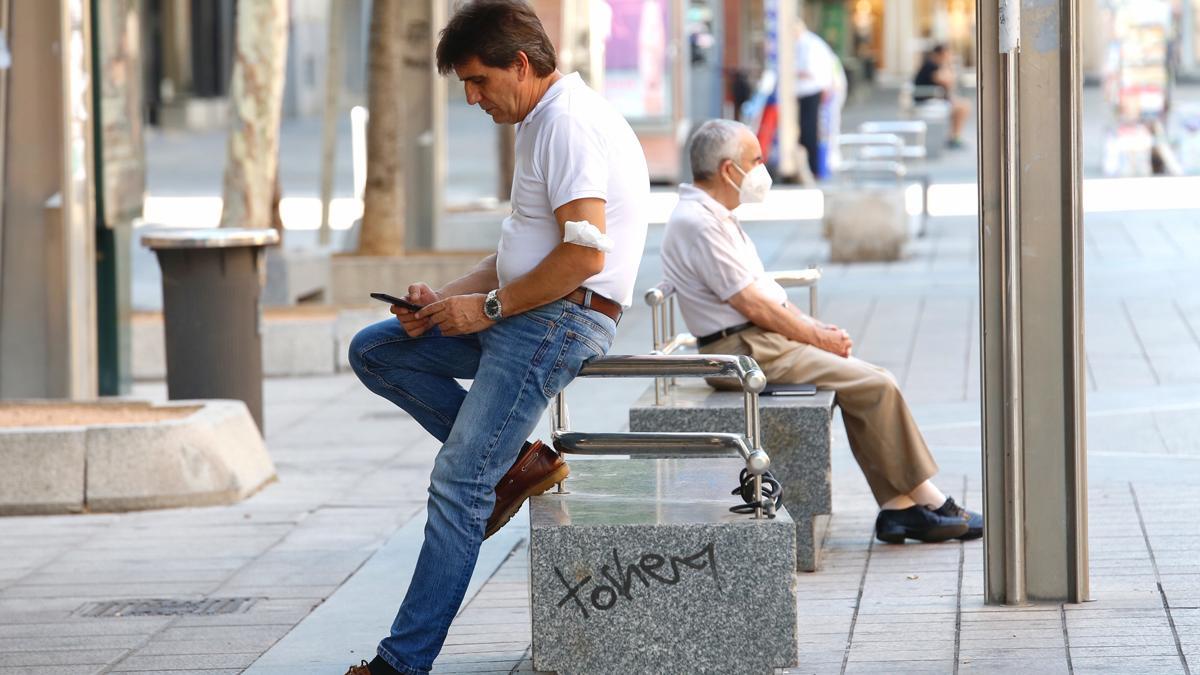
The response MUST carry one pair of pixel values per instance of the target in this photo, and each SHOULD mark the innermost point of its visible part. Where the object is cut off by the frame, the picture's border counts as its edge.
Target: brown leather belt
(705, 340)
(586, 298)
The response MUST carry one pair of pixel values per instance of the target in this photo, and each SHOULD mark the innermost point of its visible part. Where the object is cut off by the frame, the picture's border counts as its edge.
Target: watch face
(491, 307)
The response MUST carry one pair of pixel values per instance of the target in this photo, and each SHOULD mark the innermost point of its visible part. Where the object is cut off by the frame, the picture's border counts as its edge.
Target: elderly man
(733, 307)
(522, 323)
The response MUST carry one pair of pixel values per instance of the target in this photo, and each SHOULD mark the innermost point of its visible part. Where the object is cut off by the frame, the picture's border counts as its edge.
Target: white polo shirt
(575, 145)
(815, 58)
(708, 258)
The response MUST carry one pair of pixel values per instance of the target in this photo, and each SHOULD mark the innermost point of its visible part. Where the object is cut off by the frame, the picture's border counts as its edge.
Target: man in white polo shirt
(522, 323)
(733, 307)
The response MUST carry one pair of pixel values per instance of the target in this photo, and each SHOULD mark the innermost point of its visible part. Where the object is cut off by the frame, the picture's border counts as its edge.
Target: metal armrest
(899, 127)
(796, 278)
(908, 152)
(671, 444)
(873, 166)
(679, 341)
(659, 294)
(689, 365)
(848, 140)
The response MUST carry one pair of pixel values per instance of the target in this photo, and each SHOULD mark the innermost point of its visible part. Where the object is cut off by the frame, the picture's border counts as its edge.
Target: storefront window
(637, 71)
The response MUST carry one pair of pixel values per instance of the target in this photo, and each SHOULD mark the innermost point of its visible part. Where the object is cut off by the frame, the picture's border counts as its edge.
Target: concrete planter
(127, 455)
(356, 277)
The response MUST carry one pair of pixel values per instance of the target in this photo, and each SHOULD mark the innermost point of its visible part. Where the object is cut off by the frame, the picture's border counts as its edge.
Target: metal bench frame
(667, 444)
(667, 340)
(913, 155)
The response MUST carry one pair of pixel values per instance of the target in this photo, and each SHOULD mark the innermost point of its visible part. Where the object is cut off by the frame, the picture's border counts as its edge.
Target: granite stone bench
(796, 431)
(641, 567)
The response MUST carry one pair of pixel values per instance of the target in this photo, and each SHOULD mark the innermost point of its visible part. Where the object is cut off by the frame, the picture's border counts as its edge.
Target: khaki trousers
(883, 436)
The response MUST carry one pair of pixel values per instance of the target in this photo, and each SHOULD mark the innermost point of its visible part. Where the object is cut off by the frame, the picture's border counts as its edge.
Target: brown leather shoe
(360, 669)
(537, 469)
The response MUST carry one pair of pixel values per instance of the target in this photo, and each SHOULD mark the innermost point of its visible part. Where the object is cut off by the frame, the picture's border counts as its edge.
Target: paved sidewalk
(353, 471)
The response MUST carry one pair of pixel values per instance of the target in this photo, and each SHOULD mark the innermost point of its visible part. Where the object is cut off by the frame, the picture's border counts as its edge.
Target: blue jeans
(518, 366)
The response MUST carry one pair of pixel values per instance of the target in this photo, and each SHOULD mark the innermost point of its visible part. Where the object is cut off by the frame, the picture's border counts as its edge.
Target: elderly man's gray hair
(714, 142)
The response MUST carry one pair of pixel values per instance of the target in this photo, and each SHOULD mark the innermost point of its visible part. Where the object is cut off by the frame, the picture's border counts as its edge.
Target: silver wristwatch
(491, 306)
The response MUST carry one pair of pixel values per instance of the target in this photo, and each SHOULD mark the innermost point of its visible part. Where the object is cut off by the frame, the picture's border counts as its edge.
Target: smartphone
(790, 390)
(393, 300)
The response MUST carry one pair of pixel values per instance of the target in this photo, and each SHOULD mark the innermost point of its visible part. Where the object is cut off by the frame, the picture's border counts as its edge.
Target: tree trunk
(256, 97)
(382, 230)
(334, 68)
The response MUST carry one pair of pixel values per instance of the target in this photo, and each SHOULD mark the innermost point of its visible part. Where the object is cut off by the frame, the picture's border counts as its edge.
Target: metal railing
(674, 444)
(666, 340)
(915, 134)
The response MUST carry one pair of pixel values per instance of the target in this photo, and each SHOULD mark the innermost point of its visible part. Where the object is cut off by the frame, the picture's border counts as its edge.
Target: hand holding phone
(399, 302)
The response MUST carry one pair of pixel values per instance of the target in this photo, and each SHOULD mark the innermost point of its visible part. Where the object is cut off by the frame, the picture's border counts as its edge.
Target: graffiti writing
(619, 580)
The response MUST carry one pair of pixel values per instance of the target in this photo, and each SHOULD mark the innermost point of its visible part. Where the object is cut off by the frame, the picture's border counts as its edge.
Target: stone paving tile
(905, 666)
(156, 664)
(73, 643)
(1124, 651)
(1127, 664)
(51, 669)
(1013, 665)
(60, 657)
(257, 644)
(1051, 654)
(84, 628)
(218, 633)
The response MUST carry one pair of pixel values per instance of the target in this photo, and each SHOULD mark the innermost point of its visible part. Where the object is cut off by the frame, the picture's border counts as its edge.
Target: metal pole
(754, 437)
(671, 333)
(656, 340)
(1010, 311)
(4, 24)
(333, 89)
(1031, 285)
(559, 421)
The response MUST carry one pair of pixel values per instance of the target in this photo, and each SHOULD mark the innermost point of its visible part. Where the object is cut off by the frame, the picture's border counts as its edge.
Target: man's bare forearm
(779, 319)
(481, 279)
(559, 273)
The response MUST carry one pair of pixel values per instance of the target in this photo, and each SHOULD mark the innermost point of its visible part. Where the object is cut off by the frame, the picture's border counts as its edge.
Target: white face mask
(755, 184)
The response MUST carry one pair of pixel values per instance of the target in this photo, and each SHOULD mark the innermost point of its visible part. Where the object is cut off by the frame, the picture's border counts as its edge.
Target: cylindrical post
(671, 332)
(1010, 311)
(758, 511)
(333, 87)
(559, 418)
(753, 437)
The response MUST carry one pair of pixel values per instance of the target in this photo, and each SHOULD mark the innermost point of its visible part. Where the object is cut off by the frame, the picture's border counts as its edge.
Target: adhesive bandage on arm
(583, 233)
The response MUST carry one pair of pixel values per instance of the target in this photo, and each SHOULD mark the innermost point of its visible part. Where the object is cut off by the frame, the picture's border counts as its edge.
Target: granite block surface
(796, 433)
(41, 471)
(641, 567)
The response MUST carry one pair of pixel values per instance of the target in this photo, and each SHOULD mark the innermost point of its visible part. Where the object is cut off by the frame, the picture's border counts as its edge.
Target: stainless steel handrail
(673, 444)
(748, 447)
(692, 365)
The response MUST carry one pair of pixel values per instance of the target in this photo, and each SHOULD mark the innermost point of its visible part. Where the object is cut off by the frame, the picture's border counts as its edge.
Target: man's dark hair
(494, 31)
(938, 50)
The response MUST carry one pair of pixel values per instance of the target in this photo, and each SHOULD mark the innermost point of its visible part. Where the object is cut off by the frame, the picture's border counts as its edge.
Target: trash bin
(212, 311)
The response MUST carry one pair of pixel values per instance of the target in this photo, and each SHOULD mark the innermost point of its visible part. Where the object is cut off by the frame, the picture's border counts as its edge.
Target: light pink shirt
(708, 258)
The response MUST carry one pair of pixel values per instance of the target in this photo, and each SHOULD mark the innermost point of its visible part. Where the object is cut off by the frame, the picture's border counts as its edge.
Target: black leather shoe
(918, 522)
(974, 520)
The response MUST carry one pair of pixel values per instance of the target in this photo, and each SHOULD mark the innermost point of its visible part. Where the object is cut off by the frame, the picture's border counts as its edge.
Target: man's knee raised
(358, 347)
